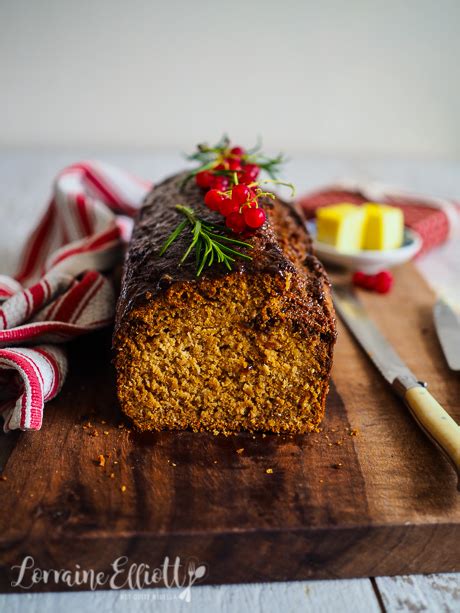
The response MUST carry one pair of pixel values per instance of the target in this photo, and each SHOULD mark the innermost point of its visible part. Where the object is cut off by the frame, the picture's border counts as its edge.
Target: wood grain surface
(337, 504)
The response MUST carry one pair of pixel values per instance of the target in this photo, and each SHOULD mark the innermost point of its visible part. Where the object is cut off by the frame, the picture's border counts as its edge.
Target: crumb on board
(339, 442)
(101, 460)
(337, 465)
(106, 432)
(269, 471)
(321, 480)
(354, 432)
(240, 450)
(3, 478)
(123, 488)
(215, 461)
(112, 475)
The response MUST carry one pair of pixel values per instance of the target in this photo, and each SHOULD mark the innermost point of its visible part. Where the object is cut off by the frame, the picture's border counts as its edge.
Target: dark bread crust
(281, 246)
(282, 251)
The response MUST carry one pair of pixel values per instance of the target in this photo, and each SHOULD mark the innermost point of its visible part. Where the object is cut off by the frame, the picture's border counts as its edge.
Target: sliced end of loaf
(227, 355)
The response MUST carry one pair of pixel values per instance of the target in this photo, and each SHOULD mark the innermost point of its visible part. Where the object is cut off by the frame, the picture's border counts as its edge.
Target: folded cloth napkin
(435, 219)
(59, 292)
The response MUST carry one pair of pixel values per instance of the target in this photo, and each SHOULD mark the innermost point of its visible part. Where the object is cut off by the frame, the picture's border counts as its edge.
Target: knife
(448, 329)
(437, 424)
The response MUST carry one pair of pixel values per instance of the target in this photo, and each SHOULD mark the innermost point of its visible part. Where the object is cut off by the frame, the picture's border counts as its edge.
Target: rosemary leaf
(198, 251)
(202, 265)
(210, 247)
(187, 253)
(230, 251)
(172, 237)
(229, 239)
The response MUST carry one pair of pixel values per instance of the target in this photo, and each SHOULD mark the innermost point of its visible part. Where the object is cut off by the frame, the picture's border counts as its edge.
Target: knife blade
(448, 328)
(437, 424)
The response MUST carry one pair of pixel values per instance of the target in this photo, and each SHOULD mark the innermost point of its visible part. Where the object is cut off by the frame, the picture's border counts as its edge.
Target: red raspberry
(237, 151)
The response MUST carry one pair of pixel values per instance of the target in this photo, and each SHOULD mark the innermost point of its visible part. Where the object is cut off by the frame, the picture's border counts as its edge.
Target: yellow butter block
(341, 225)
(383, 227)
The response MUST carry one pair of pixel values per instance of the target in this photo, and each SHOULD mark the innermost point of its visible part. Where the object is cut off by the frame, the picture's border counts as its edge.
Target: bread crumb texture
(224, 356)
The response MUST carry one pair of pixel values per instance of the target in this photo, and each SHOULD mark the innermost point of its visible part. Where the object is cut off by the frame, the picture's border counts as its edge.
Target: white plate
(366, 260)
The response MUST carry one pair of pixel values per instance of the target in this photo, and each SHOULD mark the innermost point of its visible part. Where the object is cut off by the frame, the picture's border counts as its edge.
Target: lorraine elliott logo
(123, 575)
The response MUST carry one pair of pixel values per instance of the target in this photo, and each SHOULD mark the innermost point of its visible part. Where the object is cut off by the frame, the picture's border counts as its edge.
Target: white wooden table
(25, 179)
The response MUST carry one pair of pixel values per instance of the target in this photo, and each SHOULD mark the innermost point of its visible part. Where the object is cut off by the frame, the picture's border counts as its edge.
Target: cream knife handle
(436, 423)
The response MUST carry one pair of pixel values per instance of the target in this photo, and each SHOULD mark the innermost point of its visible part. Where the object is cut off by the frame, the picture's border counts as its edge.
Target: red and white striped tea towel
(59, 292)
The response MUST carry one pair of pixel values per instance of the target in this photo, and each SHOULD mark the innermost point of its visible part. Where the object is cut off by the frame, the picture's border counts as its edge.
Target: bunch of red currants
(381, 282)
(233, 162)
(234, 191)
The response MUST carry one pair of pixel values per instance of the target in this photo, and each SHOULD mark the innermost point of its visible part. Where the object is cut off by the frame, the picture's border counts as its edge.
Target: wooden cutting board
(367, 496)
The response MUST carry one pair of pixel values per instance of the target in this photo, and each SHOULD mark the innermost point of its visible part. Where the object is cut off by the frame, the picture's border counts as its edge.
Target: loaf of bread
(247, 349)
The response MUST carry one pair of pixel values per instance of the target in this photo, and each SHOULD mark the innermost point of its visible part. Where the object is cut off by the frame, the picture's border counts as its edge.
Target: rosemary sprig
(209, 245)
(208, 157)
(272, 166)
(205, 153)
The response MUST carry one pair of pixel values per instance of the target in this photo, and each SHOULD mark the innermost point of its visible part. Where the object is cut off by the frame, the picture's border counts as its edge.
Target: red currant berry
(359, 278)
(240, 194)
(228, 206)
(250, 173)
(254, 218)
(221, 166)
(234, 164)
(203, 179)
(214, 199)
(235, 221)
(384, 282)
(237, 151)
(220, 182)
(369, 282)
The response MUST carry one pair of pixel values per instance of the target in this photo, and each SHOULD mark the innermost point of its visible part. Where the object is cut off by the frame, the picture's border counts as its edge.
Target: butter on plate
(341, 225)
(351, 228)
(383, 228)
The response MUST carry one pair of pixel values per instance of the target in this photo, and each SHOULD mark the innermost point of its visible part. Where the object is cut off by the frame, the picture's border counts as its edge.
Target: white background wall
(334, 76)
